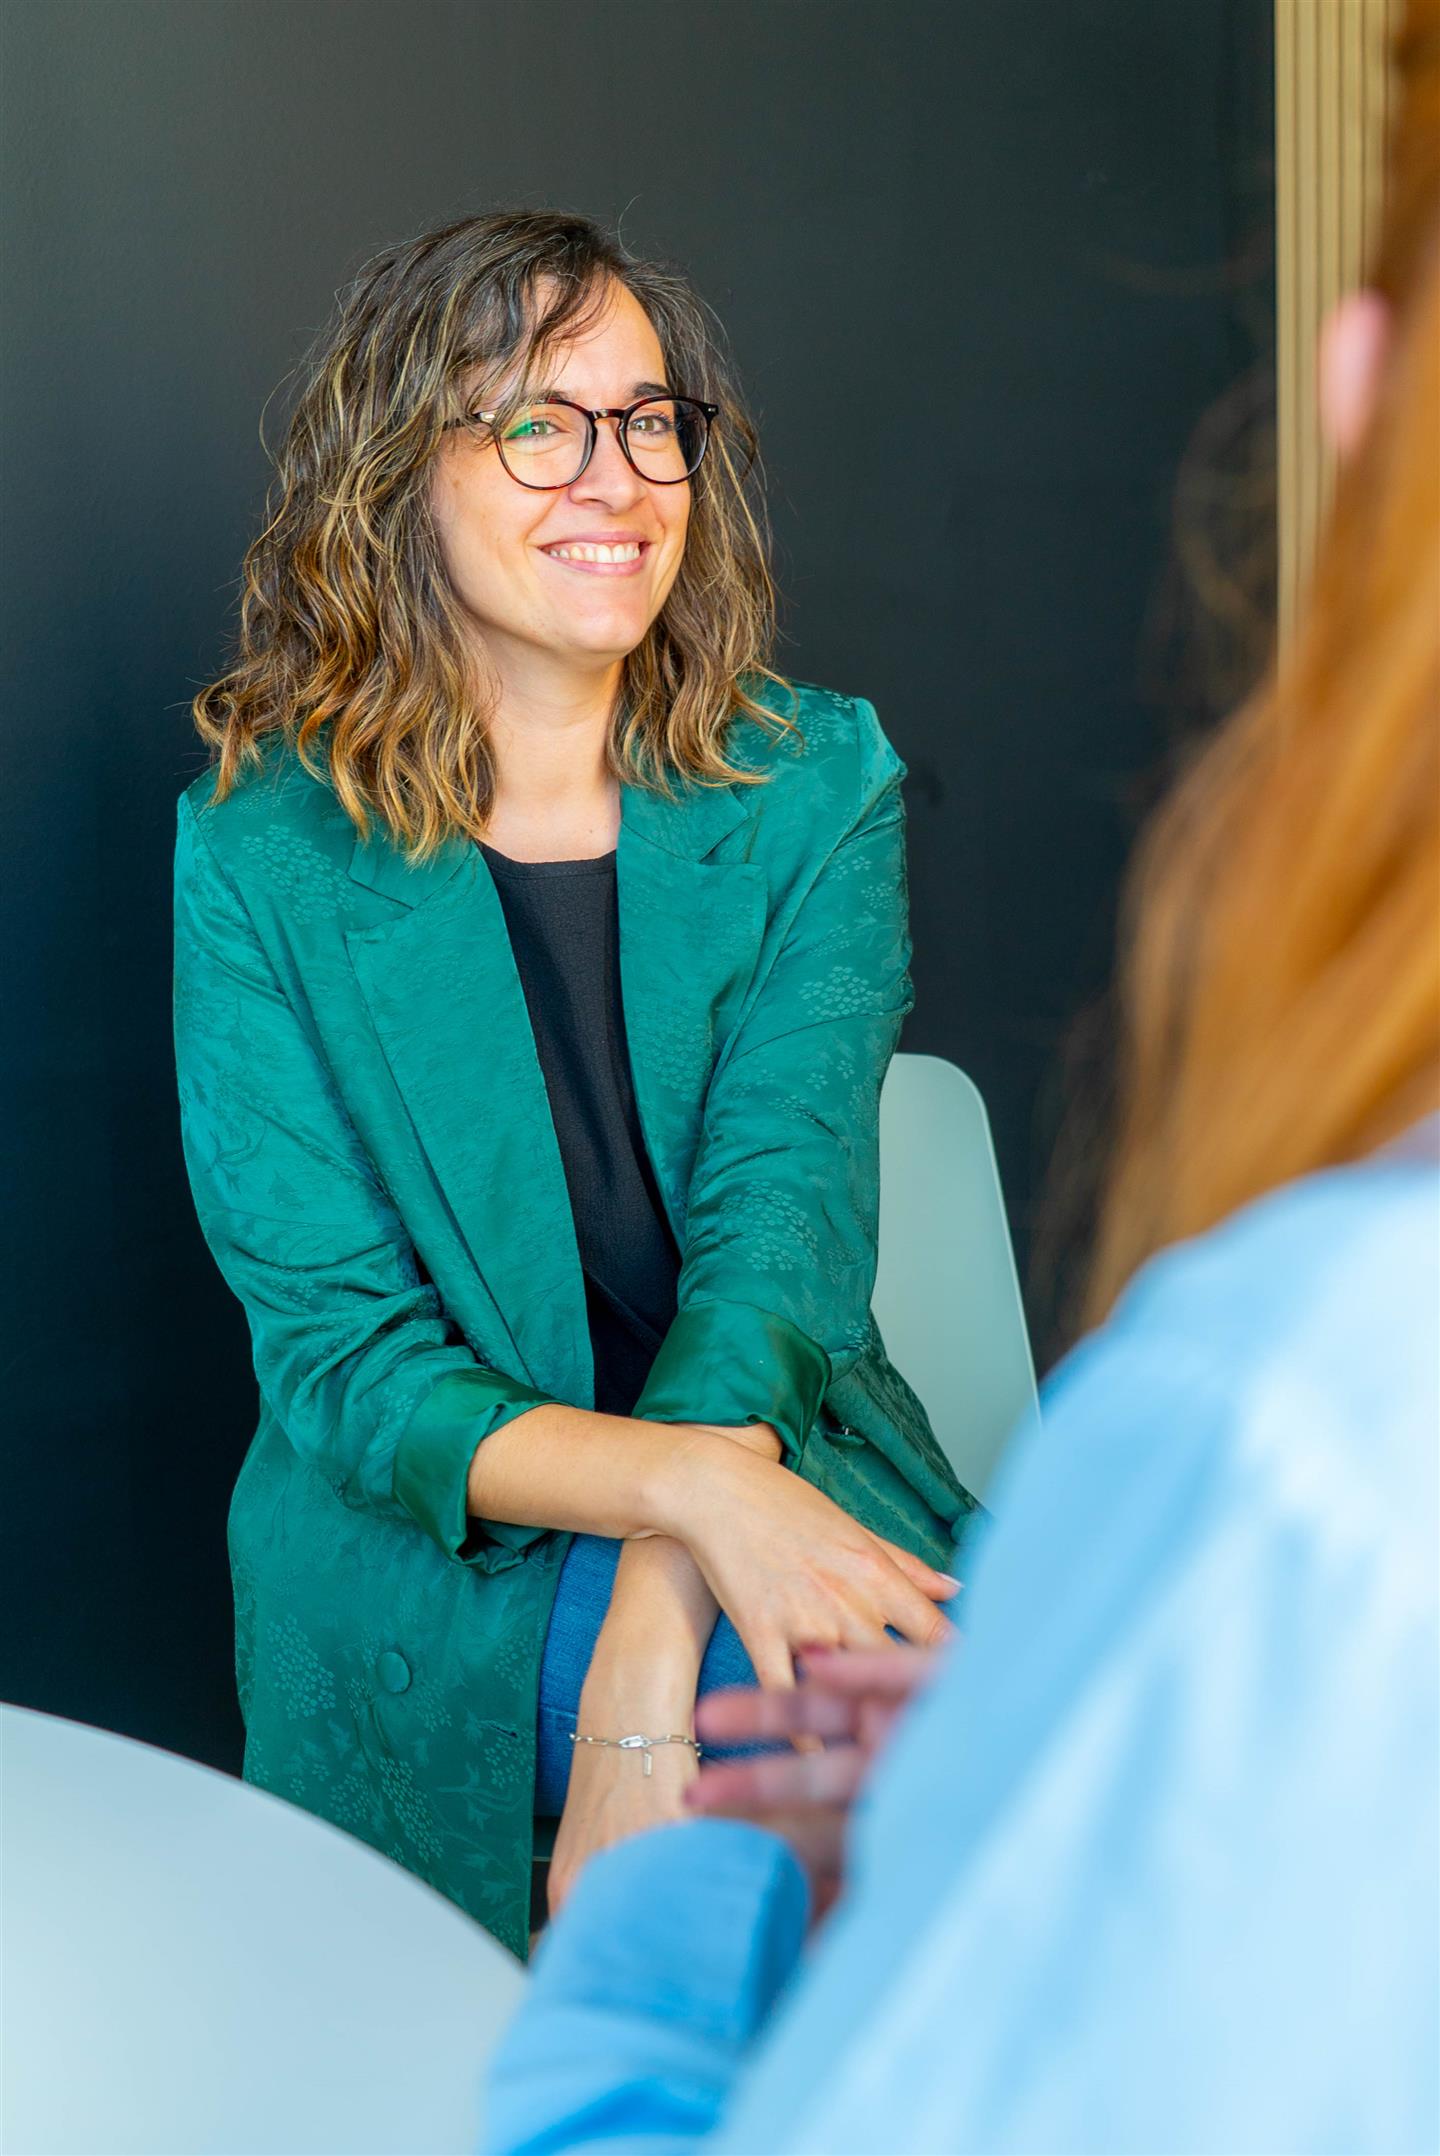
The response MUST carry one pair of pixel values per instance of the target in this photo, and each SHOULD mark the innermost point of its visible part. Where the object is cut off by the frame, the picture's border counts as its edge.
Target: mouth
(590, 557)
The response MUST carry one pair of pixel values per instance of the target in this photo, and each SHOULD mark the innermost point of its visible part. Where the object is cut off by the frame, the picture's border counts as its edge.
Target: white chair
(193, 1968)
(947, 1299)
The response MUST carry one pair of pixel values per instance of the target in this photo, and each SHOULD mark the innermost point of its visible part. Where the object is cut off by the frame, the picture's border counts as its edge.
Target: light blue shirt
(1153, 1865)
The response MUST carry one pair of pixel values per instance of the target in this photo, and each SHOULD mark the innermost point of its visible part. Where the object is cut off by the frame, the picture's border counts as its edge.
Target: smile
(619, 560)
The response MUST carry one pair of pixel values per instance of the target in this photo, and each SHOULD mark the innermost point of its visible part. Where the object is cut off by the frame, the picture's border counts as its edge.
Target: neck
(550, 738)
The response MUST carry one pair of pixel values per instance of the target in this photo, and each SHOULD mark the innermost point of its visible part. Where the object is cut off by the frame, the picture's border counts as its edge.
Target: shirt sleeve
(673, 1950)
(782, 1221)
(1153, 1864)
(367, 1375)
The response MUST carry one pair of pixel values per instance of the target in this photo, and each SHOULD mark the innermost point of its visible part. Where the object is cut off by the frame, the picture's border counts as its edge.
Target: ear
(1354, 346)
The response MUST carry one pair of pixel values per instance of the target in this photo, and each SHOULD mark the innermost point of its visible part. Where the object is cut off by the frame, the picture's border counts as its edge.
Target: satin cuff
(733, 1364)
(432, 1464)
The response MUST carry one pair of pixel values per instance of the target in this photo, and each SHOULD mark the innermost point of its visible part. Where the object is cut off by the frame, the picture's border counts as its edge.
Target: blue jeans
(581, 1600)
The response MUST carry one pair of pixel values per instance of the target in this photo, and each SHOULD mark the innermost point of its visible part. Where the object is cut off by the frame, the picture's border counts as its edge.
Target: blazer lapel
(690, 932)
(440, 984)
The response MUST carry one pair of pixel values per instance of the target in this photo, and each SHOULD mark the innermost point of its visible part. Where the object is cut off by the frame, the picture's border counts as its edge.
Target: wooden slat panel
(1330, 100)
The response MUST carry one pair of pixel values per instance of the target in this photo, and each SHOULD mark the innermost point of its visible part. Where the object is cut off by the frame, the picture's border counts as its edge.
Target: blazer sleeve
(353, 1351)
(782, 1219)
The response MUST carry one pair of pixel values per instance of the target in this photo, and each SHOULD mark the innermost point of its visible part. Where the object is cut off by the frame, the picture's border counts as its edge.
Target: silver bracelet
(637, 1743)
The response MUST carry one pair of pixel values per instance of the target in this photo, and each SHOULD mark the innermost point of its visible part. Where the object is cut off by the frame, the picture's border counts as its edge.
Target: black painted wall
(1018, 212)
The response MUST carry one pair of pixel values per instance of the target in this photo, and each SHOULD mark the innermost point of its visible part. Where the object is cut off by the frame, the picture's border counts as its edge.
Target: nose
(608, 478)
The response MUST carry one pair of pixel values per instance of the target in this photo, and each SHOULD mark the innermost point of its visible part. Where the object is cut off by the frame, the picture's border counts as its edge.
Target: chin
(609, 640)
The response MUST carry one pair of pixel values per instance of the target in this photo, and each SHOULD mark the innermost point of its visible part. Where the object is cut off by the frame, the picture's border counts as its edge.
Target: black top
(564, 924)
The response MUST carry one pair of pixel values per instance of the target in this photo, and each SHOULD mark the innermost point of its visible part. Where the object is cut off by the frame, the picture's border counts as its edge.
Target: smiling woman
(539, 956)
(355, 646)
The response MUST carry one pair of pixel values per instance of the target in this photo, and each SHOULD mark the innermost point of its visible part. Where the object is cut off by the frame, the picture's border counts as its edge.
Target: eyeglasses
(549, 444)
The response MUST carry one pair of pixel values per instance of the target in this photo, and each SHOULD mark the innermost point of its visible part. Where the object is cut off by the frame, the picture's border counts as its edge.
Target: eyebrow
(638, 389)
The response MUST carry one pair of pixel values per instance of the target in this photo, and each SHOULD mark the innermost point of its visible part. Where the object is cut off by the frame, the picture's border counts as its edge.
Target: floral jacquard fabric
(375, 1170)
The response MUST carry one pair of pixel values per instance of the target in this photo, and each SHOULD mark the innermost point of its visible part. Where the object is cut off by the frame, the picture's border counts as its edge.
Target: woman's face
(514, 553)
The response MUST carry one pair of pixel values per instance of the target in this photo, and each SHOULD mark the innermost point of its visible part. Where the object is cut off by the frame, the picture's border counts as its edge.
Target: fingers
(916, 1618)
(773, 1664)
(886, 1673)
(785, 1782)
(915, 1615)
(839, 1682)
(874, 1720)
(939, 1586)
(748, 1716)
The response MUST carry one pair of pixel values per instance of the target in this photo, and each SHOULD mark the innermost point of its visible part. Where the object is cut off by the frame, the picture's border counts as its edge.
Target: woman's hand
(842, 1715)
(611, 1797)
(790, 1567)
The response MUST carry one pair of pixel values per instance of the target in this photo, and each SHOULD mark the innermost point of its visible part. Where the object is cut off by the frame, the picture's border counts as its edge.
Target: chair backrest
(947, 1299)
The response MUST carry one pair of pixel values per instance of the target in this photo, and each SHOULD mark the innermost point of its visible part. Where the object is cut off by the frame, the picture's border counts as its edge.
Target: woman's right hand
(789, 1567)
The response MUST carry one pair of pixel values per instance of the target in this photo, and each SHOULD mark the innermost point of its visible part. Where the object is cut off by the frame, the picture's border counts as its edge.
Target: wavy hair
(352, 647)
(1281, 986)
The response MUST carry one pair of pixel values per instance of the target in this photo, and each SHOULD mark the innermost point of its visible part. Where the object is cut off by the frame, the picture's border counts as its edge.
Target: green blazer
(376, 1172)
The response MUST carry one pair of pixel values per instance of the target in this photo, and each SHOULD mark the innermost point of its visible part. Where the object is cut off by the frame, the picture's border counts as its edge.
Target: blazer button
(392, 1671)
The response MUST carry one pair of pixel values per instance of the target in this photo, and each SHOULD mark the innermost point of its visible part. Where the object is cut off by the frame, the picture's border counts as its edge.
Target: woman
(1153, 1863)
(524, 1258)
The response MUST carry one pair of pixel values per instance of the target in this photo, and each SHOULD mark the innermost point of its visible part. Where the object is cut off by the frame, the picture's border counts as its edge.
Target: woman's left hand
(643, 1675)
(612, 1797)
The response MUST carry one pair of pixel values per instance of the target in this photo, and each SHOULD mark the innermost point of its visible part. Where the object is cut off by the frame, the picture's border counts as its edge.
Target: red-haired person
(1152, 1863)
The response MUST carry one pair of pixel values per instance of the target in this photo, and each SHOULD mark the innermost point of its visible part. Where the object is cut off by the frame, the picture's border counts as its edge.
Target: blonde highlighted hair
(1281, 987)
(352, 648)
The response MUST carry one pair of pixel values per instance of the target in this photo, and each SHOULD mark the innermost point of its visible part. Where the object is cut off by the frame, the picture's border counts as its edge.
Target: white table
(189, 1967)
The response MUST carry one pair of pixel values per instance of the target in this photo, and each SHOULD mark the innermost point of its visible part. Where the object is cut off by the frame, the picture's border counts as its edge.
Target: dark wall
(972, 256)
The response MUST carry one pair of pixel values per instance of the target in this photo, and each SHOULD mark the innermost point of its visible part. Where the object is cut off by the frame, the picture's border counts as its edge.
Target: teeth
(630, 551)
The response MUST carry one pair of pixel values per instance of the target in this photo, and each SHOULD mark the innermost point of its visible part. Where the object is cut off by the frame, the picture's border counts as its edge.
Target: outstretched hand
(836, 1720)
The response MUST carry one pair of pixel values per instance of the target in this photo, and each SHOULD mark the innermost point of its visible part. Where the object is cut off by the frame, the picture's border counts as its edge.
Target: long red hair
(1281, 984)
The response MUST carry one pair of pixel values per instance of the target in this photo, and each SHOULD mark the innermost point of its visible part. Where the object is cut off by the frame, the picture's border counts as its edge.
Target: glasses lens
(666, 437)
(543, 445)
